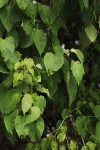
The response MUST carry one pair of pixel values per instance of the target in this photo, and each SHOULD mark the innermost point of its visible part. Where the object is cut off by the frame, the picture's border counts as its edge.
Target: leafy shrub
(49, 74)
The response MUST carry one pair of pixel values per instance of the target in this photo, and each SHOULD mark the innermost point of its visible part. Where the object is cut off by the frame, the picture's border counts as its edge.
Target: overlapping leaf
(39, 38)
(53, 62)
(77, 70)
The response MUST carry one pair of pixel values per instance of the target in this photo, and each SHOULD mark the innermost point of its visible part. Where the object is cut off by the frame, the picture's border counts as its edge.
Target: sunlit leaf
(77, 70)
(3, 2)
(26, 103)
(91, 32)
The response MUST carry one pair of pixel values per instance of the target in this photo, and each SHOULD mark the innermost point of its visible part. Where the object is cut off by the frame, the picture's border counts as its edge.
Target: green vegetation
(49, 75)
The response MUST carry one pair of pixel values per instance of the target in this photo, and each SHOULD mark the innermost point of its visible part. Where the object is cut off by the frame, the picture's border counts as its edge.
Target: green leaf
(20, 126)
(15, 58)
(66, 71)
(64, 113)
(26, 103)
(58, 23)
(29, 146)
(95, 109)
(84, 40)
(57, 7)
(82, 124)
(99, 21)
(84, 148)
(42, 89)
(62, 147)
(54, 145)
(53, 62)
(22, 4)
(81, 4)
(91, 145)
(3, 68)
(4, 16)
(15, 35)
(28, 62)
(10, 101)
(72, 89)
(7, 47)
(97, 131)
(8, 81)
(36, 130)
(77, 70)
(3, 2)
(22, 122)
(79, 54)
(26, 41)
(73, 145)
(88, 15)
(44, 12)
(27, 26)
(86, 3)
(91, 32)
(39, 38)
(9, 16)
(9, 121)
(34, 114)
(31, 10)
(45, 144)
(18, 77)
(61, 137)
(64, 129)
(95, 94)
(39, 101)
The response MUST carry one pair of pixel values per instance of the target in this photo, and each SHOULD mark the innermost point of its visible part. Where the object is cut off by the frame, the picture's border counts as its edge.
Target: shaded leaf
(45, 144)
(72, 89)
(86, 3)
(10, 101)
(97, 131)
(82, 124)
(22, 4)
(9, 121)
(39, 38)
(44, 12)
(31, 10)
(54, 145)
(95, 109)
(36, 130)
(27, 26)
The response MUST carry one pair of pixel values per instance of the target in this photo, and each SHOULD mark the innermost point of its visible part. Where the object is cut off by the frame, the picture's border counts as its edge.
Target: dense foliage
(49, 74)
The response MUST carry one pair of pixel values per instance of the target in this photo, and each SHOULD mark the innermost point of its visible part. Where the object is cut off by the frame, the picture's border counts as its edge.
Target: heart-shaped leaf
(39, 38)
(77, 70)
(53, 62)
